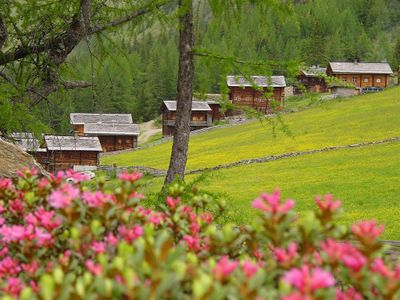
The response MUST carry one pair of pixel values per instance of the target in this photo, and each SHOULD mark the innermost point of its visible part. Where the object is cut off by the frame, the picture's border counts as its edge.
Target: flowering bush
(60, 240)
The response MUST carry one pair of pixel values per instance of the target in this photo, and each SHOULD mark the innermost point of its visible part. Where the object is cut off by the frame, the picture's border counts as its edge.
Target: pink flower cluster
(272, 203)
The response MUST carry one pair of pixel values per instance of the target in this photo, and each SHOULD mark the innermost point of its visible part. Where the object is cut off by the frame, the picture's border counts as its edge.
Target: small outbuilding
(312, 79)
(114, 137)
(65, 152)
(257, 91)
(201, 116)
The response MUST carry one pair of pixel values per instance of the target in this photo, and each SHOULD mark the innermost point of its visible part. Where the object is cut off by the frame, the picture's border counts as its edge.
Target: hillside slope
(338, 122)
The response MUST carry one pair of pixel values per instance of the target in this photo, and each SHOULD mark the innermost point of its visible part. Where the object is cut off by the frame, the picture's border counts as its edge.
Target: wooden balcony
(192, 123)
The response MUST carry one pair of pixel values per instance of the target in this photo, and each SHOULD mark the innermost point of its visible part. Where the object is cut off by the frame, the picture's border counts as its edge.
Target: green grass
(336, 122)
(367, 180)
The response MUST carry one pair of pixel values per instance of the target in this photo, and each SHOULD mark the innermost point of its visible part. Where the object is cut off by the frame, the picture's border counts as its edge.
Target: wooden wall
(313, 84)
(256, 99)
(365, 80)
(117, 142)
(199, 120)
(78, 129)
(64, 160)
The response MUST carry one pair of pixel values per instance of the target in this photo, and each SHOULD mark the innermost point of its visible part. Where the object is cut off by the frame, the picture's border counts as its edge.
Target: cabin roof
(313, 71)
(196, 105)
(111, 129)
(27, 141)
(261, 81)
(360, 68)
(82, 118)
(72, 143)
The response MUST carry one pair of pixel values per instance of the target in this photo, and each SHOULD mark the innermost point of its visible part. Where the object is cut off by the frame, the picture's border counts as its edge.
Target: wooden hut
(78, 120)
(201, 116)
(361, 75)
(29, 143)
(113, 137)
(257, 92)
(66, 152)
(312, 79)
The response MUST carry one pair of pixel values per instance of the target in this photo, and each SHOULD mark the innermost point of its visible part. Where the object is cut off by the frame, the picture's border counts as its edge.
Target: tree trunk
(180, 144)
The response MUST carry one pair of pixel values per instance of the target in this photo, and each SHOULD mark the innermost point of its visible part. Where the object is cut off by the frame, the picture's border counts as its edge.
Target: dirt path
(147, 130)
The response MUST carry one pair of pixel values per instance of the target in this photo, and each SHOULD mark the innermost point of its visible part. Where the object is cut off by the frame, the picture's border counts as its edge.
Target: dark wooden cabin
(257, 93)
(361, 74)
(78, 120)
(114, 137)
(65, 152)
(312, 80)
(201, 116)
(29, 143)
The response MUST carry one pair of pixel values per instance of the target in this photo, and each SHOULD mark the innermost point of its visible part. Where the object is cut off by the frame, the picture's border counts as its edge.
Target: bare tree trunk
(180, 144)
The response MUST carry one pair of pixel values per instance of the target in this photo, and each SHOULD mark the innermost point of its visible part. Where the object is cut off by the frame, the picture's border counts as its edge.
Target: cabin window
(128, 141)
(378, 80)
(119, 141)
(366, 80)
(354, 79)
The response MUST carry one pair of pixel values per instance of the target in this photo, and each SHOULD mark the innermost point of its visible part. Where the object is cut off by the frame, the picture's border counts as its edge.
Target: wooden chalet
(66, 152)
(361, 74)
(78, 120)
(201, 116)
(114, 137)
(252, 93)
(29, 143)
(312, 80)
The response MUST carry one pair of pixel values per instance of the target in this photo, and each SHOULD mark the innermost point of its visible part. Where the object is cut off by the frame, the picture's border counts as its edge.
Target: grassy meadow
(336, 122)
(367, 179)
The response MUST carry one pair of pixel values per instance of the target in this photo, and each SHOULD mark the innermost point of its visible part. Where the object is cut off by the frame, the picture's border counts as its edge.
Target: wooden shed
(253, 92)
(78, 120)
(65, 152)
(361, 74)
(114, 137)
(29, 143)
(201, 116)
(312, 79)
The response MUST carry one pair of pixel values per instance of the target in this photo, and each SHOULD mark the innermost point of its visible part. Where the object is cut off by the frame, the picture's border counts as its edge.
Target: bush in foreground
(60, 241)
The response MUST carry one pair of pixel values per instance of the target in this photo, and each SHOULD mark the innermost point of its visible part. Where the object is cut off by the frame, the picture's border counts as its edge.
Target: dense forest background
(133, 73)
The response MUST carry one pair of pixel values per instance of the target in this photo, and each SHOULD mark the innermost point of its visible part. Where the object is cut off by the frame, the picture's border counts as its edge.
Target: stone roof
(27, 141)
(82, 118)
(313, 71)
(196, 105)
(360, 68)
(72, 143)
(261, 81)
(110, 129)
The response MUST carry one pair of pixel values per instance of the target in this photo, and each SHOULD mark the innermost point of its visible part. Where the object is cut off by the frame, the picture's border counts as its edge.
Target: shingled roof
(313, 71)
(27, 141)
(196, 105)
(72, 143)
(360, 68)
(261, 81)
(110, 129)
(83, 118)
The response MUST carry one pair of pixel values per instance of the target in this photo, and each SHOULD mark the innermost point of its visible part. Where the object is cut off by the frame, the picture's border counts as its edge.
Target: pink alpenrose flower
(285, 256)
(308, 280)
(249, 268)
(328, 204)
(131, 177)
(63, 196)
(224, 268)
(172, 203)
(367, 230)
(271, 203)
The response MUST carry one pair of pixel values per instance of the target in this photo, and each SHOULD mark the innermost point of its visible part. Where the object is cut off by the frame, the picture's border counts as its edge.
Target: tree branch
(66, 41)
(3, 32)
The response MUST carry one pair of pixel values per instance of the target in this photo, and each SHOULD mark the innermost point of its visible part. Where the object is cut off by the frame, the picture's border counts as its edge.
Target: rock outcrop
(13, 158)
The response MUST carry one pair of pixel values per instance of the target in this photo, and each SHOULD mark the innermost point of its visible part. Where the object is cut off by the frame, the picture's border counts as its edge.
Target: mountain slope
(338, 122)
